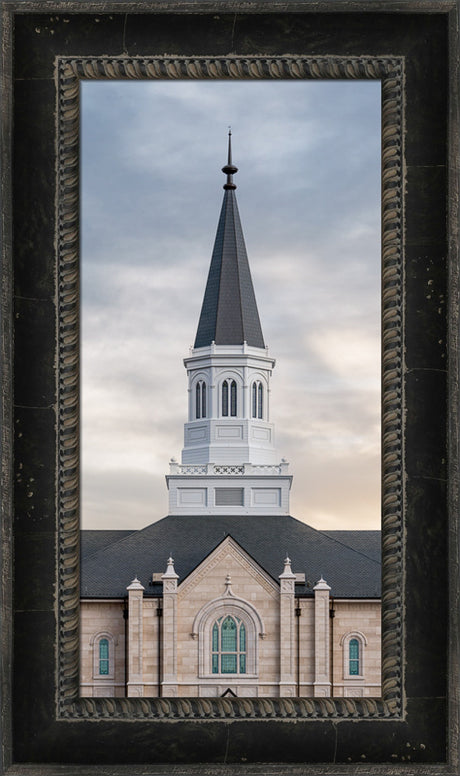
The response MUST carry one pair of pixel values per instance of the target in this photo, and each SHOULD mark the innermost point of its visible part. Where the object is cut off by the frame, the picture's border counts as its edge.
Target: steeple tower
(229, 462)
(229, 313)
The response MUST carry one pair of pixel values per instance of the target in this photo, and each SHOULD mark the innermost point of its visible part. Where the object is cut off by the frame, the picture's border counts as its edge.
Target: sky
(308, 191)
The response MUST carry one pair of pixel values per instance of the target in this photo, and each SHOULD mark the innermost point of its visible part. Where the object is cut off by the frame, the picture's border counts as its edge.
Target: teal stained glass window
(353, 654)
(215, 638)
(228, 635)
(228, 664)
(228, 646)
(254, 400)
(242, 638)
(260, 400)
(103, 657)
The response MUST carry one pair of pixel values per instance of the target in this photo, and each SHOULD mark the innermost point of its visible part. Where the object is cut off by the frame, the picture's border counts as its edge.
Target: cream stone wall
(100, 619)
(361, 619)
(249, 591)
(230, 582)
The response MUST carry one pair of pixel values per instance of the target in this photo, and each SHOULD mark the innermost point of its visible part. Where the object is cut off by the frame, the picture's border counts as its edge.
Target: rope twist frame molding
(390, 71)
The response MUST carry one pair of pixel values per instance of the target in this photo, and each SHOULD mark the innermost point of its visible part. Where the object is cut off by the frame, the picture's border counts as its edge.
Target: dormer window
(200, 399)
(229, 402)
(257, 400)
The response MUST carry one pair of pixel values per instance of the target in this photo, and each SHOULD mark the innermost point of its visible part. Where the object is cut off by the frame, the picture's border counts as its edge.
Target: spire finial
(229, 168)
(229, 145)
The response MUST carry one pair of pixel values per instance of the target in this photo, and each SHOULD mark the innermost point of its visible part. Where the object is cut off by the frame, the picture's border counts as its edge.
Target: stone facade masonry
(293, 645)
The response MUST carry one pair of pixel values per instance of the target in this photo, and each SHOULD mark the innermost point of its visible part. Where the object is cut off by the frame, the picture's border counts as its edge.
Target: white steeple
(229, 461)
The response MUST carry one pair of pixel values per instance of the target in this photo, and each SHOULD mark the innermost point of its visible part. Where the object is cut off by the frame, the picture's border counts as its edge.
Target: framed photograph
(78, 699)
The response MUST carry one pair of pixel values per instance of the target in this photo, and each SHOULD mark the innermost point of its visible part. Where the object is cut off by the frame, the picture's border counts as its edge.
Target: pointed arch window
(257, 400)
(200, 399)
(229, 398)
(228, 646)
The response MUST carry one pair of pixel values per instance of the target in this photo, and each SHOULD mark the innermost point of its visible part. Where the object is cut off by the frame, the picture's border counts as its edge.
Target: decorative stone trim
(217, 558)
(69, 71)
(202, 628)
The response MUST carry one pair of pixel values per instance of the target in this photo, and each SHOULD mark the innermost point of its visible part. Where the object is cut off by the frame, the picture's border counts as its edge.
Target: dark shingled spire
(229, 313)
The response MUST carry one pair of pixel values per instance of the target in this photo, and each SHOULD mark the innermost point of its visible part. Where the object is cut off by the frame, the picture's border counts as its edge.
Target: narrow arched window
(353, 657)
(203, 400)
(257, 400)
(225, 398)
(103, 657)
(233, 398)
(200, 399)
(228, 646)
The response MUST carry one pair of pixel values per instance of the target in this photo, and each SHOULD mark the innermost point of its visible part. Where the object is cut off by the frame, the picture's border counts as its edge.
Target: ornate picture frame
(57, 45)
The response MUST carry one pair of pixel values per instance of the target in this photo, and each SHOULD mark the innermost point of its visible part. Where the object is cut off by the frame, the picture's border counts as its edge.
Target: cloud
(308, 193)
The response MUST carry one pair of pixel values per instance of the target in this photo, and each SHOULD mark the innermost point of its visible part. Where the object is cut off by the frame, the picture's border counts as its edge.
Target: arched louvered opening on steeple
(200, 399)
(257, 400)
(229, 398)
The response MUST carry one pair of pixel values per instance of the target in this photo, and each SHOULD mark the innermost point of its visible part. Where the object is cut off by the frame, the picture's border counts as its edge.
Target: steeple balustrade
(227, 469)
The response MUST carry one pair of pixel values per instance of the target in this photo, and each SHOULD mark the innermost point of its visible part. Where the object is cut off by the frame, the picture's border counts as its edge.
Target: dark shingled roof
(229, 313)
(366, 542)
(93, 541)
(351, 572)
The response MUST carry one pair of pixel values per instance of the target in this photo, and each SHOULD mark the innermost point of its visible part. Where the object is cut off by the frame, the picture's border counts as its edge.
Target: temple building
(229, 613)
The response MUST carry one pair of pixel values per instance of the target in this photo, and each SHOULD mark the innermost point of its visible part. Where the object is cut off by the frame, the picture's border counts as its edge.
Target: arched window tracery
(228, 646)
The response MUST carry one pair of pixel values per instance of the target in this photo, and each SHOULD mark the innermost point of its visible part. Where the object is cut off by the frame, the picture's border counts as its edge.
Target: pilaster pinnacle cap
(135, 585)
(287, 573)
(321, 585)
(170, 572)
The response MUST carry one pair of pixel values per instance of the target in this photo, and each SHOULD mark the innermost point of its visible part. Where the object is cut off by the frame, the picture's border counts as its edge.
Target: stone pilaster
(287, 631)
(169, 679)
(322, 684)
(135, 638)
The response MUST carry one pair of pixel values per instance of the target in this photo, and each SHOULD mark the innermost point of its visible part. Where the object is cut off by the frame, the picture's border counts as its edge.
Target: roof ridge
(353, 549)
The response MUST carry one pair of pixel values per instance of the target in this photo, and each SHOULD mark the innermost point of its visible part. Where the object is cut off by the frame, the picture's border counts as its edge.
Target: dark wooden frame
(420, 455)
